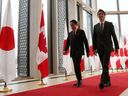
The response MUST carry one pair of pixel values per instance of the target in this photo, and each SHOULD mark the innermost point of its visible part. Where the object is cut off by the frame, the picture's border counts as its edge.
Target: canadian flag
(121, 51)
(113, 59)
(42, 52)
(7, 47)
(67, 62)
(91, 57)
(126, 51)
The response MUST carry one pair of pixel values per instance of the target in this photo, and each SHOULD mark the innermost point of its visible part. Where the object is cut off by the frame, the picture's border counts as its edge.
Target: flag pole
(91, 67)
(122, 68)
(117, 69)
(66, 76)
(91, 70)
(126, 69)
(112, 69)
(5, 88)
(0, 12)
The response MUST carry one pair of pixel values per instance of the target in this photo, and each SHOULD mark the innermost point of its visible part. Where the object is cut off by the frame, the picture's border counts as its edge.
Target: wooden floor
(24, 85)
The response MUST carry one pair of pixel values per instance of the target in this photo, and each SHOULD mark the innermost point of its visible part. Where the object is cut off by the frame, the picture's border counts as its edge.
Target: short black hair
(100, 10)
(74, 21)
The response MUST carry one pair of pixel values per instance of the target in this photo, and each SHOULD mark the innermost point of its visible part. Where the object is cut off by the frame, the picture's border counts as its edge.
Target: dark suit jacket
(76, 42)
(104, 38)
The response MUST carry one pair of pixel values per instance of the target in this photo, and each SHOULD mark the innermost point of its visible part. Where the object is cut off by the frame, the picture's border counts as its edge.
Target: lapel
(98, 27)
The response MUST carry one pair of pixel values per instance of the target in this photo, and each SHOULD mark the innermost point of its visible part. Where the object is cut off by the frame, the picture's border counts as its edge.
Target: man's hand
(64, 52)
(116, 51)
(95, 52)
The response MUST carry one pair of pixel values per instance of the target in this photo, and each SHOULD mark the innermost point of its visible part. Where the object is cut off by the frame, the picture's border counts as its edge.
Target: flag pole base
(91, 73)
(5, 89)
(66, 78)
(42, 83)
(117, 70)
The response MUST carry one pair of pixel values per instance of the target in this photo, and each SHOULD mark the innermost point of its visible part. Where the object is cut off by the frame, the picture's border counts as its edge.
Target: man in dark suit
(102, 43)
(76, 40)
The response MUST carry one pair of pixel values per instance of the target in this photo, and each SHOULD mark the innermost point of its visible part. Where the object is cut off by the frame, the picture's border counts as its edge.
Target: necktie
(74, 33)
(101, 27)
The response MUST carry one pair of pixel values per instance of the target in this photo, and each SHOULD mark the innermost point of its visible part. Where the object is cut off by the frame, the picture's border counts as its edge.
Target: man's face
(73, 26)
(101, 16)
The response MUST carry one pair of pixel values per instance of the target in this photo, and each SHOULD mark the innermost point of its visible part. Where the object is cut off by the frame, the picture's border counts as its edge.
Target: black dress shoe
(78, 84)
(107, 84)
(101, 86)
(75, 84)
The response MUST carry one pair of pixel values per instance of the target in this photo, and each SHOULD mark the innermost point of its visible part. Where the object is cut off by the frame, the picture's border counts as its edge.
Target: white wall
(35, 15)
(94, 7)
(72, 10)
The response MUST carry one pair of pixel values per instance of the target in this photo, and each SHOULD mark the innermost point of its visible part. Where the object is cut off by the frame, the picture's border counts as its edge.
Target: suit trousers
(77, 60)
(104, 58)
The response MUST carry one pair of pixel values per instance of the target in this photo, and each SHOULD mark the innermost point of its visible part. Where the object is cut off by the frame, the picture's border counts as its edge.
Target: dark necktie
(74, 34)
(101, 27)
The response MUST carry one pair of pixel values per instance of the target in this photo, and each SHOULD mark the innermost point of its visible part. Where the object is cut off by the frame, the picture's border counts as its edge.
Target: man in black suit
(102, 43)
(76, 40)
